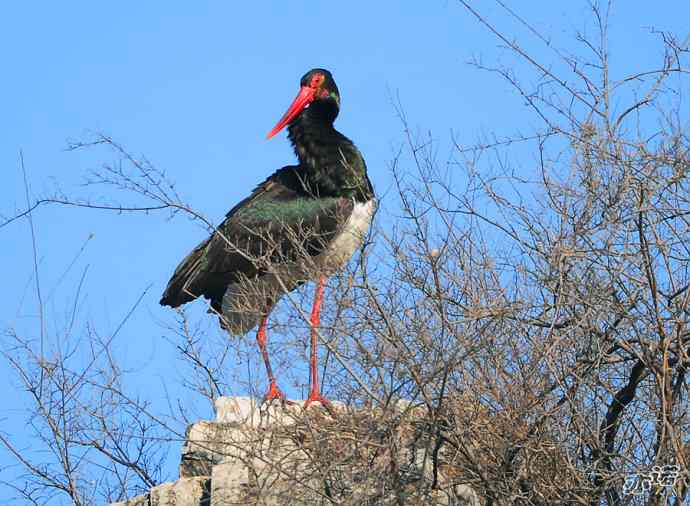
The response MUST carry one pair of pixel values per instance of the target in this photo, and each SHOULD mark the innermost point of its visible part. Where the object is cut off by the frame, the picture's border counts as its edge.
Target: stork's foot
(275, 393)
(315, 396)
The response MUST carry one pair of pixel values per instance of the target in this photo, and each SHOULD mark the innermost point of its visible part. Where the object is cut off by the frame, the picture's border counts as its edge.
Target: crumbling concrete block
(140, 500)
(183, 492)
(230, 483)
(248, 412)
(264, 456)
(207, 444)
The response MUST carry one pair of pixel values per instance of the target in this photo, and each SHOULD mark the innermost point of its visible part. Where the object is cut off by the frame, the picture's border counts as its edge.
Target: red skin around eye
(316, 80)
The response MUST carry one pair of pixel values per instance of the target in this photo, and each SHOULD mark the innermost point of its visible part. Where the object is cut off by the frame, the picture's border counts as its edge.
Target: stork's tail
(247, 301)
(182, 284)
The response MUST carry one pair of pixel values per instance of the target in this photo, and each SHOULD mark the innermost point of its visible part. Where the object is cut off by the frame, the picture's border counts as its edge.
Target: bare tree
(521, 331)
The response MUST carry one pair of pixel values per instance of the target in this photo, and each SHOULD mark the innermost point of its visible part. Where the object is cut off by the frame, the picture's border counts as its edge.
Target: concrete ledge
(183, 492)
(264, 456)
(248, 412)
(140, 500)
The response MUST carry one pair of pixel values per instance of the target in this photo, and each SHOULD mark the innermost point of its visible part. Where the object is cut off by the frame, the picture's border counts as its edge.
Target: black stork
(301, 224)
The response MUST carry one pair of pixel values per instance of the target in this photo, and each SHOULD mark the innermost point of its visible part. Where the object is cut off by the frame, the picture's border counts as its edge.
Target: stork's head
(316, 86)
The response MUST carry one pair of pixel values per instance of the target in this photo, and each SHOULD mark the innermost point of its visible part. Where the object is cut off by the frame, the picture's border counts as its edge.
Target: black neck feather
(330, 163)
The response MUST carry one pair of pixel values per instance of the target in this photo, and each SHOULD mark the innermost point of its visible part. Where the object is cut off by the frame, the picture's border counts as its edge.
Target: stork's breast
(349, 238)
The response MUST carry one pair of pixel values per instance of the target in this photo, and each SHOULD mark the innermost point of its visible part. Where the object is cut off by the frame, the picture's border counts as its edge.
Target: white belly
(349, 239)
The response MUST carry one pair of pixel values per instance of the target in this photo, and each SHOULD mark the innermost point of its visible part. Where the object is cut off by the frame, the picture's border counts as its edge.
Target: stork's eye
(316, 80)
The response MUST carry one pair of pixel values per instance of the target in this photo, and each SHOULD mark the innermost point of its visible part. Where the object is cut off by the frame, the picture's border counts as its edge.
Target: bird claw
(275, 393)
(317, 397)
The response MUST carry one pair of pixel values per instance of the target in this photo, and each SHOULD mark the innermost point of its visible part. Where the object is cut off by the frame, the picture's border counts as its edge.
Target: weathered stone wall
(267, 457)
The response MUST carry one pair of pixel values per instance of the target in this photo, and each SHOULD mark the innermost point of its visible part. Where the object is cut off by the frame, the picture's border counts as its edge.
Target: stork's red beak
(302, 100)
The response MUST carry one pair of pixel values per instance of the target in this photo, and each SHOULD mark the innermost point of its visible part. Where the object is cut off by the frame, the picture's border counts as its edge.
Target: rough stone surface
(183, 492)
(229, 483)
(247, 412)
(140, 500)
(239, 410)
(466, 496)
(205, 446)
(249, 454)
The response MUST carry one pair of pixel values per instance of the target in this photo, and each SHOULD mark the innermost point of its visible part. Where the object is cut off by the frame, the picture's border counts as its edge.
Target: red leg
(314, 390)
(273, 390)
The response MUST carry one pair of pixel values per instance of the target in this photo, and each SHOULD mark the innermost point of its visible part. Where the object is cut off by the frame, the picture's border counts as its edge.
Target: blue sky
(196, 87)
